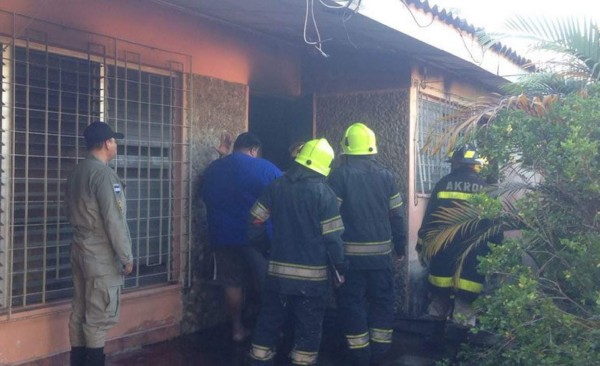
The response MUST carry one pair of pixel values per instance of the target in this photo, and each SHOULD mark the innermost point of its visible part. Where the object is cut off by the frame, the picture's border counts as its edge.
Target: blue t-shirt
(231, 186)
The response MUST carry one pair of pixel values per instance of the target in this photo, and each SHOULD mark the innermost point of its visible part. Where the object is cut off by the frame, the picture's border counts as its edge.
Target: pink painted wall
(148, 315)
(43, 332)
(227, 54)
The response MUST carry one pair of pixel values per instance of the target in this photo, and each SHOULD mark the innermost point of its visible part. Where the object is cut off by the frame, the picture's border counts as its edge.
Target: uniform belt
(368, 248)
(296, 271)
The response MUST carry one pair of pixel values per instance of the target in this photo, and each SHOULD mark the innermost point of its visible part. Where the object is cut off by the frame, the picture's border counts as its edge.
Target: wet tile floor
(412, 346)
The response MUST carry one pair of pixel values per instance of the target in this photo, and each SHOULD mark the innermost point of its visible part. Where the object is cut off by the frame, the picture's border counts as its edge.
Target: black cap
(99, 132)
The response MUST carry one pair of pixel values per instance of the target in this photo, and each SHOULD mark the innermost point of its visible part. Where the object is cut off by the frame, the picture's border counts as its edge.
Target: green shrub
(549, 313)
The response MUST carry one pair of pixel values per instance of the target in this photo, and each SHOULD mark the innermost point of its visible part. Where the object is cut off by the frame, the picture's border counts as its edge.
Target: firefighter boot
(95, 356)
(440, 306)
(77, 356)
(463, 315)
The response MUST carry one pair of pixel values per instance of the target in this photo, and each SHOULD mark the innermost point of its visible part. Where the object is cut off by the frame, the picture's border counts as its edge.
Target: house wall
(218, 106)
(437, 83)
(242, 56)
(386, 113)
(344, 72)
(147, 316)
(224, 62)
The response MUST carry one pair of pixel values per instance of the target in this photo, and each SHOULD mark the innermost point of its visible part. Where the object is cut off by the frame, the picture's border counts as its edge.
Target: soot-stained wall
(387, 114)
(217, 106)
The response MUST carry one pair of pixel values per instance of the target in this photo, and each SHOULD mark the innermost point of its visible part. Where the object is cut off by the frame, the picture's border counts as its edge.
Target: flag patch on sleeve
(117, 188)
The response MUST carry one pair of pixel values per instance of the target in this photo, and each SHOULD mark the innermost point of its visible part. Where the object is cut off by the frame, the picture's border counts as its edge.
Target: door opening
(279, 123)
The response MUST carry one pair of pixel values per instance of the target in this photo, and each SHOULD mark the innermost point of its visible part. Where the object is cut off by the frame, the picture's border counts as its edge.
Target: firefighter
(373, 215)
(306, 241)
(452, 293)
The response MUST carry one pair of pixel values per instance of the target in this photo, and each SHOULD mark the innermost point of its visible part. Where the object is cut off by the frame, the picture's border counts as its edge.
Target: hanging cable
(348, 2)
(415, 18)
(477, 62)
(346, 18)
(318, 43)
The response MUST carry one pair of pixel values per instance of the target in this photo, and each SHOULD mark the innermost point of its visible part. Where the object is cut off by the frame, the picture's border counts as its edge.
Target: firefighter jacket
(372, 211)
(306, 232)
(459, 185)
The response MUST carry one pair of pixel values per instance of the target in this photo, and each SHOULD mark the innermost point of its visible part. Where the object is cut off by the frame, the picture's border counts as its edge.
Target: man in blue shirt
(231, 186)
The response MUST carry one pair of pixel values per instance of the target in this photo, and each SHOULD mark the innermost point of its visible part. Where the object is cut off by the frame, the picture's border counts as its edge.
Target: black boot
(95, 356)
(78, 356)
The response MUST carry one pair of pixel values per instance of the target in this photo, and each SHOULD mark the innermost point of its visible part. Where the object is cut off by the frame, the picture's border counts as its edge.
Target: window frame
(428, 166)
(179, 183)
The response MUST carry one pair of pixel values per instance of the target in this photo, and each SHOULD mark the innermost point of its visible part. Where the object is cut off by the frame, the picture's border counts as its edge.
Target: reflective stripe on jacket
(306, 232)
(459, 185)
(372, 211)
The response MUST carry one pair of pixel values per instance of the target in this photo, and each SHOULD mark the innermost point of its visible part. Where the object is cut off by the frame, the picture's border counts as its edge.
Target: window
(140, 105)
(54, 98)
(434, 119)
(48, 98)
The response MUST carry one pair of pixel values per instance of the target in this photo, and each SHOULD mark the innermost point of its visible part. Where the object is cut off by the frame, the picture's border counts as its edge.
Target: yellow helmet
(466, 154)
(316, 155)
(359, 140)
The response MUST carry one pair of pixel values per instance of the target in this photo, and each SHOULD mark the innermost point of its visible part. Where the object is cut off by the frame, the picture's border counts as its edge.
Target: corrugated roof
(462, 25)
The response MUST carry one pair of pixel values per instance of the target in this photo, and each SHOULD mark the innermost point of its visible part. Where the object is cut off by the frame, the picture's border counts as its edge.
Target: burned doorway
(280, 122)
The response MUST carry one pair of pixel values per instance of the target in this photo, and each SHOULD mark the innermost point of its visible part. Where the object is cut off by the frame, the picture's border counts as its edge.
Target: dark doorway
(279, 123)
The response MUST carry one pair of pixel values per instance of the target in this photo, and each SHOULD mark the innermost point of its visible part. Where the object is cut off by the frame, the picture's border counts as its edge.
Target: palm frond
(460, 219)
(574, 40)
(485, 109)
(465, 220)
(545, 83)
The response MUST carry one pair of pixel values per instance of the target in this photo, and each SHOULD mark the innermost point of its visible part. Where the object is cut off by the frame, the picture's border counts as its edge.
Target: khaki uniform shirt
(95, 201)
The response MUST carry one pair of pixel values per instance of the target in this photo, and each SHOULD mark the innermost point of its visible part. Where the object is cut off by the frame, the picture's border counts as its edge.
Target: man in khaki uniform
(101, 248)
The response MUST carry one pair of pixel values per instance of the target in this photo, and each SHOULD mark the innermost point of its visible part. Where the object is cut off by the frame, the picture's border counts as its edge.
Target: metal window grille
(49, 94)
(434, 119)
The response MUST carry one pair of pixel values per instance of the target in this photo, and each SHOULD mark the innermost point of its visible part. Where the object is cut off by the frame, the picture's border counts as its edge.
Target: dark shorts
(235, 266)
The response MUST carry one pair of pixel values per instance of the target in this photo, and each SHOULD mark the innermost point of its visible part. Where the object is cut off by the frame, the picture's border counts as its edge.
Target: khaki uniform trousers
(95, 306)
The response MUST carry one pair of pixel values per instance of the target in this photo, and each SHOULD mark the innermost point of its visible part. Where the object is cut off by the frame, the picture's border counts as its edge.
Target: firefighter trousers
(451, 294)
(307, 313)
(443, 267)
(366, 313)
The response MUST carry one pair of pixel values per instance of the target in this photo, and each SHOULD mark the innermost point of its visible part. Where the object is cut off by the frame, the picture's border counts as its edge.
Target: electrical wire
(460, 33)
(477, 62)
(415, 18)
(352, 13)
(344, 20)
(348, 2)
(347, 18)
(318, 43)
